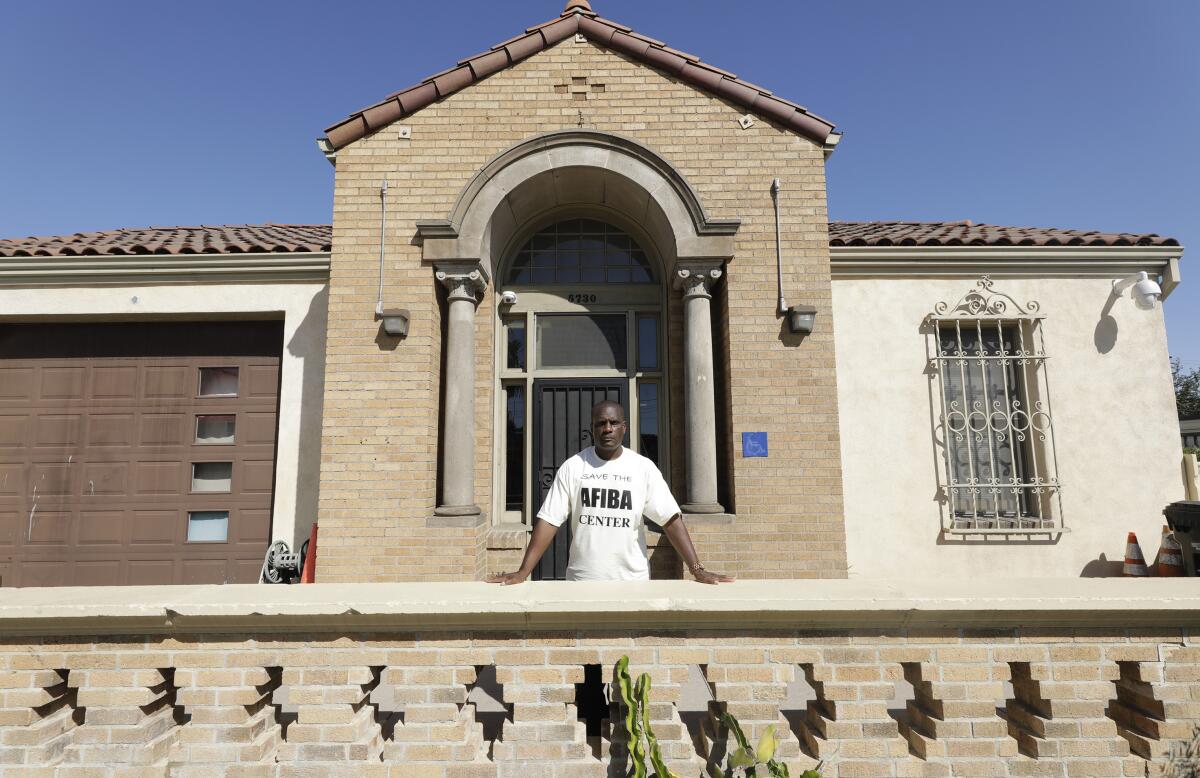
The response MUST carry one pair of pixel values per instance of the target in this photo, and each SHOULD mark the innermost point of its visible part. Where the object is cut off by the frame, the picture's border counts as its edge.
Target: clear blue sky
(1065, 113)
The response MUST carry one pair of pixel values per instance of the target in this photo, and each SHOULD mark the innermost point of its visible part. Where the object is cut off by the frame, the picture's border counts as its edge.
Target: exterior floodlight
(801, 319)
(1146, 293)
(395, 322)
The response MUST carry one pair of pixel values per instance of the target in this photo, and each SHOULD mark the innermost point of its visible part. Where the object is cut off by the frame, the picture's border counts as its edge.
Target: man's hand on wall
(676, 532)
(704, 576)
(507, 579)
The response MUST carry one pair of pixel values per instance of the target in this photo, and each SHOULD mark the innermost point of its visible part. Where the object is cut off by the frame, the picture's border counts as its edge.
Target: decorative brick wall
(366, 691)
(380, 434)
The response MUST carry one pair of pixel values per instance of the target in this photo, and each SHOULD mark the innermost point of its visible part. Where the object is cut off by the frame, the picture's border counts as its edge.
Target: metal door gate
(561, 428)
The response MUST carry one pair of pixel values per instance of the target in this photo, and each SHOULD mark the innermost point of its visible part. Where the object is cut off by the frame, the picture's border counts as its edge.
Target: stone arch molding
(573, 168)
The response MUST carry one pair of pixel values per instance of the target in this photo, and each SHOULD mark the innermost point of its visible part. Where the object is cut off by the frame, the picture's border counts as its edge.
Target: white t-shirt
(605, 501)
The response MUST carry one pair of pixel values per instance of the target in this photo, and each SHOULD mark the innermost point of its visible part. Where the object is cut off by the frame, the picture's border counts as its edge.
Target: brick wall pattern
(1039, 702)
(380, 430)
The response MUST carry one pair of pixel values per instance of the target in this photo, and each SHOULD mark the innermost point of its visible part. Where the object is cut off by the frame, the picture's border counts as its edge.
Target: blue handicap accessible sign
(754, 444)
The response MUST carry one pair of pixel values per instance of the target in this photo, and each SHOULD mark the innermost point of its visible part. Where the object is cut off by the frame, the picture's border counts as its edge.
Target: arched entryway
(580, 320)
(591, 232)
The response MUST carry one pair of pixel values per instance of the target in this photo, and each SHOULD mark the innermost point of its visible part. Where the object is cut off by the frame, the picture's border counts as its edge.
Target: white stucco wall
(1115, 427)
(302, 306)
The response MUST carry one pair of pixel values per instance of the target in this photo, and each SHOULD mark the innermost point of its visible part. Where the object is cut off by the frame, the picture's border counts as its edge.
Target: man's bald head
(612, 405)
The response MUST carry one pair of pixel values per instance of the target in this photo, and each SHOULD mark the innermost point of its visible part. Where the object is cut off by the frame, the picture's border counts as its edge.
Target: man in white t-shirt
(604, 491)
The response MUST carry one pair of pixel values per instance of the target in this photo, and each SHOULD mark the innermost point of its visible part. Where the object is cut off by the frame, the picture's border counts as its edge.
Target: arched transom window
(580, 251)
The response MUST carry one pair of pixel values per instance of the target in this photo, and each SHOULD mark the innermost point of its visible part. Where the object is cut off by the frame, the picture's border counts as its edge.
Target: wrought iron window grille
(995, 429)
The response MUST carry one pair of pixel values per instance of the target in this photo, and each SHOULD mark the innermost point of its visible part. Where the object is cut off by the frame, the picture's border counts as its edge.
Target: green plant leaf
(742, 758)
(633, 730)
(767, 744)
(730, 721)
(779, 769)
(656, 758)
(714, 771)
(810, 774)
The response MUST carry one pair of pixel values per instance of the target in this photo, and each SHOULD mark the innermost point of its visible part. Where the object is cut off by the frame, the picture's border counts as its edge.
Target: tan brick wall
(379, 456)
(1024, 702)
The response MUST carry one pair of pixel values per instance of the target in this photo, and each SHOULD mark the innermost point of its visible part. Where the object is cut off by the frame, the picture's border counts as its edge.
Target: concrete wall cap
(814, 604)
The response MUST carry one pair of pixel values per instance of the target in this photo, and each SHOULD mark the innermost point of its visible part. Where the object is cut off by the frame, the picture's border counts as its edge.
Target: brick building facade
(585, 212)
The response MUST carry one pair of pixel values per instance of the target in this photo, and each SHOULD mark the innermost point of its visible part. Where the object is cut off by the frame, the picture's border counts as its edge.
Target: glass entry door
(562, 423)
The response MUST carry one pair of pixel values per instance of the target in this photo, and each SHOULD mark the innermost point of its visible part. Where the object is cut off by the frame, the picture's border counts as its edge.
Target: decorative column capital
(463, 282)
(697, 280)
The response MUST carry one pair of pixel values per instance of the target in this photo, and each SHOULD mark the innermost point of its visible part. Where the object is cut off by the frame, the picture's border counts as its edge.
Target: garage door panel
(205, 571)
(111, 429)
(12, 479)
(262, 381)
(105, 479)
(47, 528)
(41, 573)
(14, 430)
(101, 528)
(172, 382)
(58, 431)
(163, 429)
(151, 572)
(16, 384)
(165, 527)
(9, 529)
(115, 383)
(252, 526)
(247, 569)
(159, 478)
(51, 479)
(258, 429)
(98, 440)
(257, 476)
(62, 383)
(98, 572)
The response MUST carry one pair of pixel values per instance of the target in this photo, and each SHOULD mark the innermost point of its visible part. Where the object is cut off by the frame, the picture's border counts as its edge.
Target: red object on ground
(309, 573)
(1135, 561)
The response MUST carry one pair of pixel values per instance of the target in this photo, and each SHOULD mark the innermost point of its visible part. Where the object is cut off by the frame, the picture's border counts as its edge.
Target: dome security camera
(508, 298)
(1146, 294)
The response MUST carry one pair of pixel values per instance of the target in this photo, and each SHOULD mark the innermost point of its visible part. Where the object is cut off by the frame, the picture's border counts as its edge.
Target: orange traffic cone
(1170, 556)
(1135, 562)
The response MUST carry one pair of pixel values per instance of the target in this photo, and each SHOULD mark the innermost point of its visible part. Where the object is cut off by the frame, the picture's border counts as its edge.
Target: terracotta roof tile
(305, 238)
(526, 46)
(484, 65)
(578, 17)
(966, 233)
(220, 239)
(684, 54)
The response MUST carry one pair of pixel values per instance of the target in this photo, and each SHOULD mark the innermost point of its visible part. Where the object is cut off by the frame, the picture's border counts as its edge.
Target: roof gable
(578, 18)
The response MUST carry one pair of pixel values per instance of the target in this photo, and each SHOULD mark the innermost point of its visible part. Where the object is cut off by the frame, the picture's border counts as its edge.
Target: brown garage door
(136, 453)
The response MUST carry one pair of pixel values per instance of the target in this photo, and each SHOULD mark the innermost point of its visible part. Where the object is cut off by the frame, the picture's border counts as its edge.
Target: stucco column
(458, 439)
(699, 402)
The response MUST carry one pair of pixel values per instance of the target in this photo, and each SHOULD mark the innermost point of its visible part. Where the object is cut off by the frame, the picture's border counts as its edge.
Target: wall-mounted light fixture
(1145, 294)
(801, 319)
(395, 322)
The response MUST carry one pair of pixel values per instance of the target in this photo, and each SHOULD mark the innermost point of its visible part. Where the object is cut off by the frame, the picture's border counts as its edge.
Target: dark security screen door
(562, 420)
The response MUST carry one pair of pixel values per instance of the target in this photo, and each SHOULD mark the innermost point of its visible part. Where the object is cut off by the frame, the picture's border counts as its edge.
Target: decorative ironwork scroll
(997, 430)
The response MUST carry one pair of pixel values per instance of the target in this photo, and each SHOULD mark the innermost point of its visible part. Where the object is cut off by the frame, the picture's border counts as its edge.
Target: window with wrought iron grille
(996, 431)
